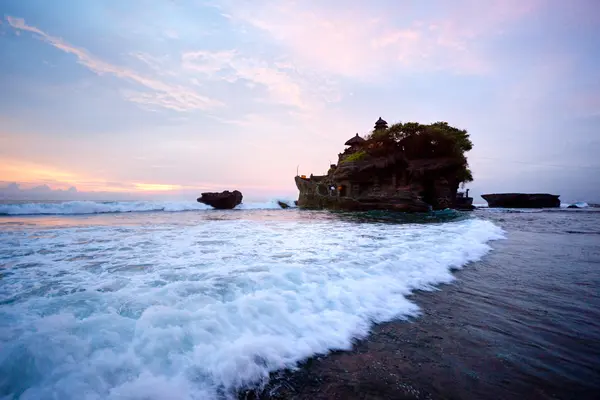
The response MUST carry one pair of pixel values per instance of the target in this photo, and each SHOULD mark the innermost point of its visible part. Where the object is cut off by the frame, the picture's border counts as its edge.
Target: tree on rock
(420, 141)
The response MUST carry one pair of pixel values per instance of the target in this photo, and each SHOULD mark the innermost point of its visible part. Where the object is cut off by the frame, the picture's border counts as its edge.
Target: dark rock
(463, 202)
(522, 200)
(573, 206)
(389, 182)
(283, 205)
(223, 201)
(315, 196)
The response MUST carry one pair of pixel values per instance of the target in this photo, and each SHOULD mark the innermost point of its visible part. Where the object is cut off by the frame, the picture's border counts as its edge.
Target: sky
(164, 99)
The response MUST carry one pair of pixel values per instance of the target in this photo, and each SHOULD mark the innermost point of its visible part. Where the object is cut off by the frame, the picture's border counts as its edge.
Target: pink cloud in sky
(231, 66)
(354, 42)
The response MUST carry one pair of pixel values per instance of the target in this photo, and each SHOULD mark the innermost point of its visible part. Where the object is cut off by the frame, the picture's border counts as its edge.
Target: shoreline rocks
(283, 205)
(222, 201)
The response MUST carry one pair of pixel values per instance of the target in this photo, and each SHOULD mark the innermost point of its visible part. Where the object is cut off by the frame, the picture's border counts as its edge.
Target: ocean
(173, 300)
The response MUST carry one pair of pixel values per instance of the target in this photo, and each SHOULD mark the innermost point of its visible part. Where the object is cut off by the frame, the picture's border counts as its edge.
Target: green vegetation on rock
(358, 156)
(420, 141)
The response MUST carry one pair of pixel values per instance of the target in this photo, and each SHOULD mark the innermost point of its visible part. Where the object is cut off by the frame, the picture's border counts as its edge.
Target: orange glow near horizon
(29, 174)
(21, 171)
(156, 187)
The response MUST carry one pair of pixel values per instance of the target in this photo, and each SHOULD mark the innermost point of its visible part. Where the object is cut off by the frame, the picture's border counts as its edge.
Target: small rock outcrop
(522, 200)
(464, 202)
(282, 204)
(223, 201)
(407, 167)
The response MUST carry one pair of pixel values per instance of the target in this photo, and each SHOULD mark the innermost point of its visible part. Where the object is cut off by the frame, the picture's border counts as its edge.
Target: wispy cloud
(158, 92)
(354, 42)
(228, 65)
(173, 81)
(283, 83)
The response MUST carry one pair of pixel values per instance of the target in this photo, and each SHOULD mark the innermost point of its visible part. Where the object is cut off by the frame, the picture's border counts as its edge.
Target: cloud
(281, 88)
(31, 180)
(273, 81)
(42, 175)
(284, 84)
(18, 191)
(360, 43)
(25, 171)
(15, 191)
(158, 92)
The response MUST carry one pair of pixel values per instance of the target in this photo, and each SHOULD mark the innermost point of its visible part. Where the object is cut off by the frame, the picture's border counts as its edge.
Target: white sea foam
(272, 204)
(199, 309)
(512, 210)
(579, 204)
(99, 207)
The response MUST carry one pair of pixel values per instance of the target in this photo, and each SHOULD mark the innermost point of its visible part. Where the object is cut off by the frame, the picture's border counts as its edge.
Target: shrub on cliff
(358, 156)
(465, 175)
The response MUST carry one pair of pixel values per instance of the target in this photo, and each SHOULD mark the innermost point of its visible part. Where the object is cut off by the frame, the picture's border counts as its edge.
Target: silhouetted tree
(419, 141)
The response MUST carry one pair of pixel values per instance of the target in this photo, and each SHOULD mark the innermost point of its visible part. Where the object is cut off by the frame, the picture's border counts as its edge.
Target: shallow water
(201, 304)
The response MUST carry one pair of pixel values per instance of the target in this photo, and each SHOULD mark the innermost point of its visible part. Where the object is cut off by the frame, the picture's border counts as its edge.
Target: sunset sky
(165, 99)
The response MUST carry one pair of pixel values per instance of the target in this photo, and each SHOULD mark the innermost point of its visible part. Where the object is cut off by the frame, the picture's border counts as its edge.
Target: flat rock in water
(223, 201)
(522, 200)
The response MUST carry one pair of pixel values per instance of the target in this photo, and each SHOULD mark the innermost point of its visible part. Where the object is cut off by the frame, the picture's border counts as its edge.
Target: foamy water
(106, 207)
(199, 305)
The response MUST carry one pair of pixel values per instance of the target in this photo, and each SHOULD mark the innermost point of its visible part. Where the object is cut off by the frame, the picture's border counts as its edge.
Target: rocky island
(403, 167)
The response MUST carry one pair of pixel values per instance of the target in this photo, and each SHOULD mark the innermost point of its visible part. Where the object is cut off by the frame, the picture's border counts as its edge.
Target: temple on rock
(355, 141)
(405, 167)
(380, 124)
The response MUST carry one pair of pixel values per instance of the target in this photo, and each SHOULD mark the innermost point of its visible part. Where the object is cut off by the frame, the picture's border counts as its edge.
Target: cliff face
(380, 175)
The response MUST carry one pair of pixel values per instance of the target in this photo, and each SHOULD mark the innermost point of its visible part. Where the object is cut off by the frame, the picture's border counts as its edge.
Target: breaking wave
(579, 204)
(195, 308)
(101, 207)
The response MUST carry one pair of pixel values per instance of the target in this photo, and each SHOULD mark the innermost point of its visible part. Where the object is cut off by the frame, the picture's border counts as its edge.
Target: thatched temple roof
(355, 140)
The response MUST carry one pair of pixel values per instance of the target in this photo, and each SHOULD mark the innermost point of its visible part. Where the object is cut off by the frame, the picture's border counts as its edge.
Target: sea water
(148, 301)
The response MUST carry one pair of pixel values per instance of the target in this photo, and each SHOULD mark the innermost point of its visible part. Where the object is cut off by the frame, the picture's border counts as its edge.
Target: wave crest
(199, 311)
(104, 207)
